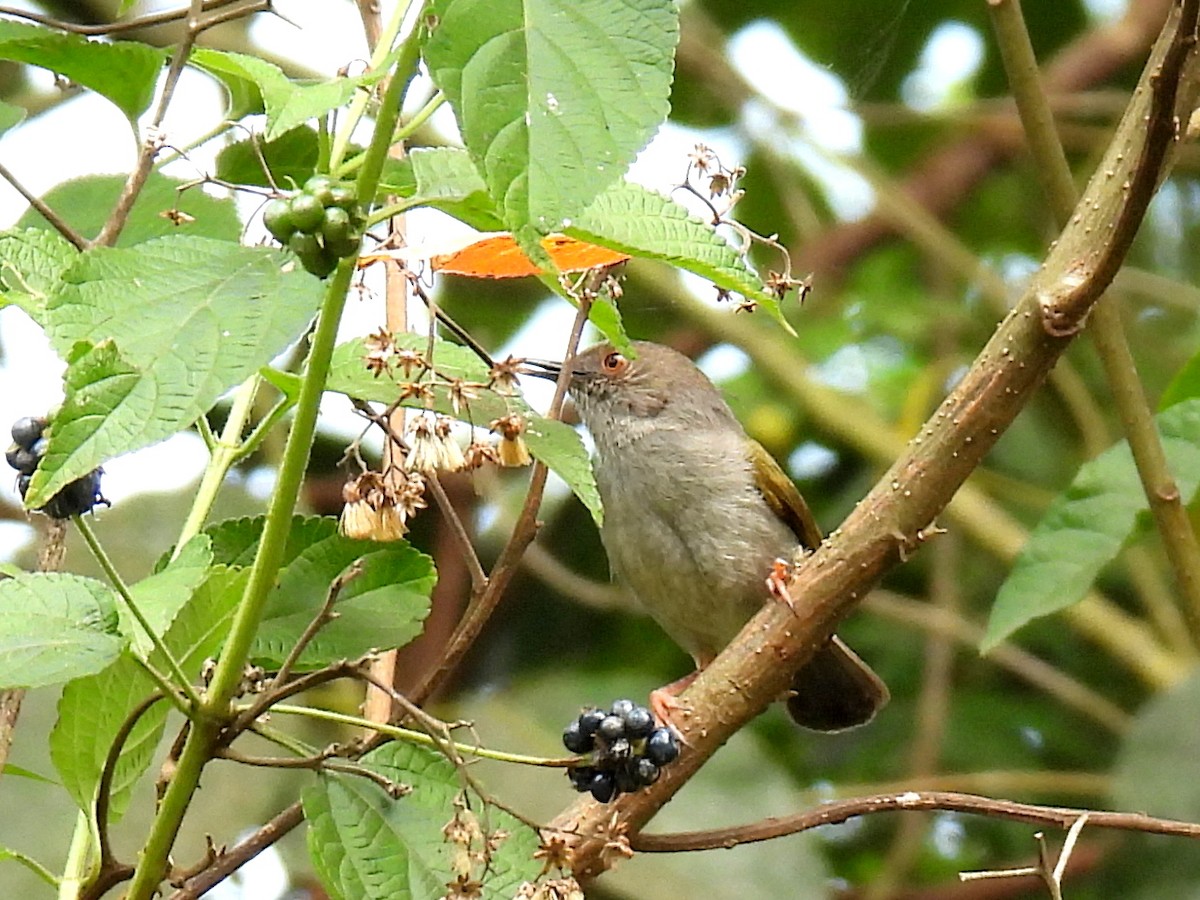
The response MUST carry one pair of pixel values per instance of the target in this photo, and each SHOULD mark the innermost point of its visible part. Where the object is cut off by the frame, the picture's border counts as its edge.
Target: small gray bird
(696, 513)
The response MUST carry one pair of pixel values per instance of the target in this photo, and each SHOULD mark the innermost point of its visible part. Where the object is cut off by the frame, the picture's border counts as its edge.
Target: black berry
(611, 728)
(645, 772)
(639, 722)
(22, 459)
(603, 786)
(622, 708)
(27, 430)
(575, 740)
(661, 746)
(589, 721)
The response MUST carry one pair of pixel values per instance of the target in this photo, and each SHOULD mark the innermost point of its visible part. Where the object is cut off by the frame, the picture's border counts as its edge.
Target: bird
(696, 515)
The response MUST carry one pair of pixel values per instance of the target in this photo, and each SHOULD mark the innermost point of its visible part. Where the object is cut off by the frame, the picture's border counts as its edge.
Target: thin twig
(59, 223)
(479, 578)
(910, 801)
(324, 616)
(148, 21)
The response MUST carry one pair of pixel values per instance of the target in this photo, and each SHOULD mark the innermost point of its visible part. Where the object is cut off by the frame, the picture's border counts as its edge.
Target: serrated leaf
(190, 318)
(90, 712)
(1157, 768)
(553, 101)
(54, 627)
(92, 709)
(364, 845)
(555, 444)
(252, 81)
(292, 158)
(382, 608)
(124, 72)
(161, 595)
(86, 203)
(1086, 525)
(638, 221)
(442, 178)
(31, 262)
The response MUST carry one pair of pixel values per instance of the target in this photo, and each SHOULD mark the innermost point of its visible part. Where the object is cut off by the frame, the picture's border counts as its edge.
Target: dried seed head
(503, 376)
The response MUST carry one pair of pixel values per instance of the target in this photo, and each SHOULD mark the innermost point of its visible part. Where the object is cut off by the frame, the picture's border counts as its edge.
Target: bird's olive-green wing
(782, 496)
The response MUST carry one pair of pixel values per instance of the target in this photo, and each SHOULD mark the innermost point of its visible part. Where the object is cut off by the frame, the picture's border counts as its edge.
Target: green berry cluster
(27, 449)
(627, 749)
(321, 223)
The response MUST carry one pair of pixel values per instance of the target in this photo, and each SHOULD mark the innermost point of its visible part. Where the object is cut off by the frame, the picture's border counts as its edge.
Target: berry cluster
(26, 452)
(321, 223)
(627, 749)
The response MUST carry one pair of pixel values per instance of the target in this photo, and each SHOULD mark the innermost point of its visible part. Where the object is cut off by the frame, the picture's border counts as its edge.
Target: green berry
(344, 196)
(304, 245)
(307, 212)
(277, 216)
(321, 187)
(320, 264)
(336, 226)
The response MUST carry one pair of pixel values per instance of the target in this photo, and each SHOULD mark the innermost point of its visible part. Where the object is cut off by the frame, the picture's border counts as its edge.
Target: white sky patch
(793, 84)
(952, 56)
(1106, 10)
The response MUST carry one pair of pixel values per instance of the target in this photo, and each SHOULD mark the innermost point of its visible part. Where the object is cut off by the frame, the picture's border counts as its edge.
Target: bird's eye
(614, 363)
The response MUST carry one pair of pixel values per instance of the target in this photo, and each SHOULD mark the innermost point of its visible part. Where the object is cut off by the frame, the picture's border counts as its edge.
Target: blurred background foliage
(904, 293)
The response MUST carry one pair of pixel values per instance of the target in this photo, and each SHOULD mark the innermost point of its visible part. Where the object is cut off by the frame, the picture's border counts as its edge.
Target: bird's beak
(541, 368)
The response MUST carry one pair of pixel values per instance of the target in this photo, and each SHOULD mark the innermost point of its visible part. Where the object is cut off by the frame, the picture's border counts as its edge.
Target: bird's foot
(781, 571)
(666, 705)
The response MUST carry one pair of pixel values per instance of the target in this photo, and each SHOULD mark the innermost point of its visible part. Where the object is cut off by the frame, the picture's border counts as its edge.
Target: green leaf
(365, 845)
(92, 709)
(1183, 386)
(555, 444)
(190, 317)
(442, 178)
(382, 608)
(86, 203)
(161, 595)
(125, 72)
(643, 223)
(29, 863)
(1157, 768)
(55, 627)
(256, 85)
(9, 116)
(553, 101)
(292, 158)
(31, 262)
(21, 772)
(1085, 527)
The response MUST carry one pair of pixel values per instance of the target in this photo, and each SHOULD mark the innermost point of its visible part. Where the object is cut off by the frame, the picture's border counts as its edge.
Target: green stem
(215, 710)
(413, 737)
(1105, 326)
(171, 690)
(75, 872)
(225, 452)
(262, 429)
(358, 106)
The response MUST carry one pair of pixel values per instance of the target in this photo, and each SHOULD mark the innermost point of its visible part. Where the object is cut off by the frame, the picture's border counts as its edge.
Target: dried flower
(464, 887)
(511, 448)
(421, 390)
(479, 454)
(503, 376)
(408, 360)
(461, 393)
(702, 158)
(376, 510)
(431, 446)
